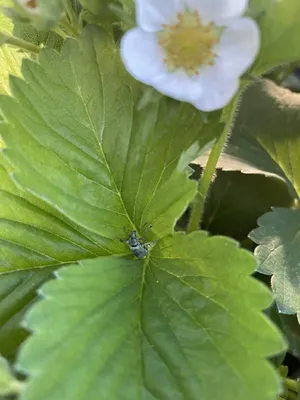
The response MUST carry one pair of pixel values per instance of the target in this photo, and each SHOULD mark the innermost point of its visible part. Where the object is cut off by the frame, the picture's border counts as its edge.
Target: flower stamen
(188, 43)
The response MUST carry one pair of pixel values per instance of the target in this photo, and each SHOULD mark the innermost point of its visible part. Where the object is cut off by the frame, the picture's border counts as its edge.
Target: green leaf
(280, 30)
(101, 9)
(10, 58)
(243, 159)
(244, 152)
(31, 34)
(6, 24)
(10, 64)
(278, 254)
(275, 126)
(237, 200)
(290, 327)
(9, 385)
(33, 235)
(17, 293)
(171, 327)
(27, 227)
(114, 166)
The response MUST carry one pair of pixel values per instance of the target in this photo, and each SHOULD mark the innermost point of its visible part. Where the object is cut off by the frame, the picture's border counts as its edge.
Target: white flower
(29, 5)
(192, 50)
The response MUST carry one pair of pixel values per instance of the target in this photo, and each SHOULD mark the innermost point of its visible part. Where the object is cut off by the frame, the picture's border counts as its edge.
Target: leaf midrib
(102, 132)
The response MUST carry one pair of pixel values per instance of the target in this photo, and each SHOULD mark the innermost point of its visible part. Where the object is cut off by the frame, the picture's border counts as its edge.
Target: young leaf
(76, 140)
(9, 385)
(280, 30)
(184, 323)
(17, 293)
(278, 254)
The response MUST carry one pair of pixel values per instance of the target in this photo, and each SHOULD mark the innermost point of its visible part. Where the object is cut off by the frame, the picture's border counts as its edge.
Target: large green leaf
(77, 141)
(275, 127)
(33, 235)
(278, 254)
(175, 326)
(280, 30)
(28, 226)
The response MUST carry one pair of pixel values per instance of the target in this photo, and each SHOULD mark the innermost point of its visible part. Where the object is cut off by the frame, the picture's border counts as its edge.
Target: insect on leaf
(154, 330)
(80, 144)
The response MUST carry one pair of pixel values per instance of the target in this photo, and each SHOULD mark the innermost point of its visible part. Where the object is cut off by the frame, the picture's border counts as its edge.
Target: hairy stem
(197, 207)
(19, 43)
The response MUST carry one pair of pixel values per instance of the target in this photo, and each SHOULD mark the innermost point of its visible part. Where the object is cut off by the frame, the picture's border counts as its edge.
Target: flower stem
(20, 43)
(197, 207)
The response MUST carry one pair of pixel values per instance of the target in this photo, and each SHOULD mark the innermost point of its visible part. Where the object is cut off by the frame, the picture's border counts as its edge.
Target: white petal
(152, 14)
(142, 55)
(217, 10)
(178, 85)
(217, 91)
(238, 47)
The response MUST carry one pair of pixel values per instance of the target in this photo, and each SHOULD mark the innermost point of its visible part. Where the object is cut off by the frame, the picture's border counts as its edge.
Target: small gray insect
(137, 247)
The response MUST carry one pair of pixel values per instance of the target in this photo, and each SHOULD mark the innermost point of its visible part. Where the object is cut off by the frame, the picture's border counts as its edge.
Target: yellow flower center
(188, 44)
(31, 4)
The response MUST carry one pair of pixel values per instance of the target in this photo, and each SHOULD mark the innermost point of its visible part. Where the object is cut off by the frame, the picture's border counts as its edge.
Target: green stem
(20, 43)
(206, 179)
(69, 28)
(205, 182)
(197, 207)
